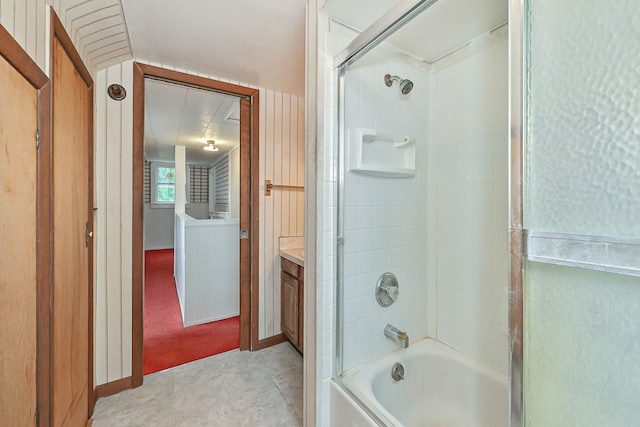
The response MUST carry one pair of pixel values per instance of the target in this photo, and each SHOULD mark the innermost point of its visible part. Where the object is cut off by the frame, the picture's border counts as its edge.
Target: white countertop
(295, 255)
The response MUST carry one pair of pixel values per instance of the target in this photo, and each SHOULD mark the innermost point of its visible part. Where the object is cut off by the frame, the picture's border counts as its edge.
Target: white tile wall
(385, 218)
(442, 233)
(471, 205)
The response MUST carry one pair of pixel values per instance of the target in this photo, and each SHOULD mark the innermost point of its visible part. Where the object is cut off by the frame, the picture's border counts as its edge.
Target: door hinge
(87, 234)
(244, 234)
(37, 415)
(37, 139)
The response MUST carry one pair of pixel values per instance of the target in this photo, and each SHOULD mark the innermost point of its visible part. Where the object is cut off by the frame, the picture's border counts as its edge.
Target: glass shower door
(581, 213)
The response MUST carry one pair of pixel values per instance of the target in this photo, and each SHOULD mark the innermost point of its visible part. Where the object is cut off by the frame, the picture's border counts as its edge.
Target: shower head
(405, 84)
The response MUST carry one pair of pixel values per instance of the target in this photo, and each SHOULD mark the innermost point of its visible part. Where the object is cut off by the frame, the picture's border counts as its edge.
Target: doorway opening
(246, 240)
(191, 245)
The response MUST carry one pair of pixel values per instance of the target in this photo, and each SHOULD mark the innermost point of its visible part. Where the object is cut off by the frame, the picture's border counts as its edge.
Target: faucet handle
(387, 289)
(391, 291)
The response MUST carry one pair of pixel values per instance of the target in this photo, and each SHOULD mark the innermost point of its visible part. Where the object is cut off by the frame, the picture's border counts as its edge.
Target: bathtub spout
(396, 335)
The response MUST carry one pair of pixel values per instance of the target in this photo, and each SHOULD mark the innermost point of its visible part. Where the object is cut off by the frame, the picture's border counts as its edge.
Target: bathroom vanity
(292, 295)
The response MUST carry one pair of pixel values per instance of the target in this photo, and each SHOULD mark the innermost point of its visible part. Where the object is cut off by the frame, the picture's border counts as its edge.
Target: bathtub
(441, 387)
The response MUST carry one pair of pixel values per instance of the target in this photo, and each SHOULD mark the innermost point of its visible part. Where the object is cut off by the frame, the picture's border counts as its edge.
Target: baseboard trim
(113, 387)
(268, 342)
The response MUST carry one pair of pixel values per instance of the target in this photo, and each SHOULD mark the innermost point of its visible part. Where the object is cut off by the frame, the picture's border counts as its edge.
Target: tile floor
(262, 388)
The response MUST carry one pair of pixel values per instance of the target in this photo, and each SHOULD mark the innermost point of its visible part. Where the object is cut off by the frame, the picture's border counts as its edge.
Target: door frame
(249, 205)
(16, 56)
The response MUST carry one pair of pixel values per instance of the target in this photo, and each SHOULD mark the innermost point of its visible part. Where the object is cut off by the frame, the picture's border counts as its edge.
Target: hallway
(167, 343)
(262, 388)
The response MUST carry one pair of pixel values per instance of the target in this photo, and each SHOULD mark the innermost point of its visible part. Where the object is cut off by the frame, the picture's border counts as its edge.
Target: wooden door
(72, 218)
(18, 228)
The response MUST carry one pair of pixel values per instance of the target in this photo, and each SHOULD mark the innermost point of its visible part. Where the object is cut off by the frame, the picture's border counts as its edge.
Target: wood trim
(246, 307)
(249, 163)
(255, 221)
(137, 249)
(90, 219)
(44, 261)
(59, 33)
(190, 79)
(20, 60)
(113, 387)
(268, 342)
(13, 53)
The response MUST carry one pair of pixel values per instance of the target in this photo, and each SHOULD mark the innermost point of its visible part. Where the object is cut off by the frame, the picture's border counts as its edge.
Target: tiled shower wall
(472, 171)
(385, 218)
(444, 232)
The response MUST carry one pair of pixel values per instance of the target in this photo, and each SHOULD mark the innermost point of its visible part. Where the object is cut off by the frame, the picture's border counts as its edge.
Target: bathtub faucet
(396, 335)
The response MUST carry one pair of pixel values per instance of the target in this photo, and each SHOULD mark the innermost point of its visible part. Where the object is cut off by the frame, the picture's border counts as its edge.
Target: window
(165, 188)
(163, 185)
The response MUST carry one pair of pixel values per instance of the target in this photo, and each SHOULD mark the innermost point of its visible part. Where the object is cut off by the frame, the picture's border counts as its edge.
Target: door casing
(249, 206)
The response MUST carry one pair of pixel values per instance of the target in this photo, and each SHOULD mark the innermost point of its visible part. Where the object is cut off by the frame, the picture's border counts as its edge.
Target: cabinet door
(290, 308)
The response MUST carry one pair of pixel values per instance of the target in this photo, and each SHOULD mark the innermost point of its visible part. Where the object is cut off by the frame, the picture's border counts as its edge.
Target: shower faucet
(396, 335)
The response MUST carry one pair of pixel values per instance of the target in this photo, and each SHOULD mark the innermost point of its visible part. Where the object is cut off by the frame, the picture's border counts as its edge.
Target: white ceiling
(181, 115)
(254, 42)
(444, 27)
(448, 25)
(262, 43)
(358, 14)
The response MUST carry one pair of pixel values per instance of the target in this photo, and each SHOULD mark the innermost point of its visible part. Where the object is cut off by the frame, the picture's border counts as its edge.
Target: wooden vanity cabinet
(292, 302)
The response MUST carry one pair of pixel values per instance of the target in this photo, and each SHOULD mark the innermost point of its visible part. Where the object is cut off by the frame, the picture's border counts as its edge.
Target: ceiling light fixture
(211, 145)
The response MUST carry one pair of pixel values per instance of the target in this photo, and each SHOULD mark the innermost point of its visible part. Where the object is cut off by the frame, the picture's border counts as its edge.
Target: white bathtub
(441, 387)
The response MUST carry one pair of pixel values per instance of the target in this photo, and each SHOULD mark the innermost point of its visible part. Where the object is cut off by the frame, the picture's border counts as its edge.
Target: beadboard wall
(113, 225)
(28, 23)
(97, 29)
(281, 214)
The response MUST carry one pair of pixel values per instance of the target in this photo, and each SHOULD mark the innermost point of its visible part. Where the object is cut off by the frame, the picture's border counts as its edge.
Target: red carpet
(166, 342)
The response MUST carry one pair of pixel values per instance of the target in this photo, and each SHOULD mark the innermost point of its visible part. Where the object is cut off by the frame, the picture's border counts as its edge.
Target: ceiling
(358, 14)
(254, 42)
(446, 26)
(245, 41)
(187, 116)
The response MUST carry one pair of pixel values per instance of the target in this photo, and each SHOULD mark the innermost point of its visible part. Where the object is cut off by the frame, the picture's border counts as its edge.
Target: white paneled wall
(471, 152)
(97, 28)
(113, 232)
(282, 158)
(28, 22)
(282, 213)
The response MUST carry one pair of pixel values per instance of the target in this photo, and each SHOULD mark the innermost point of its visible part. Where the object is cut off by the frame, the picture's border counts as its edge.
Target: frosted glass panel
(584, 117)
(582, 343)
